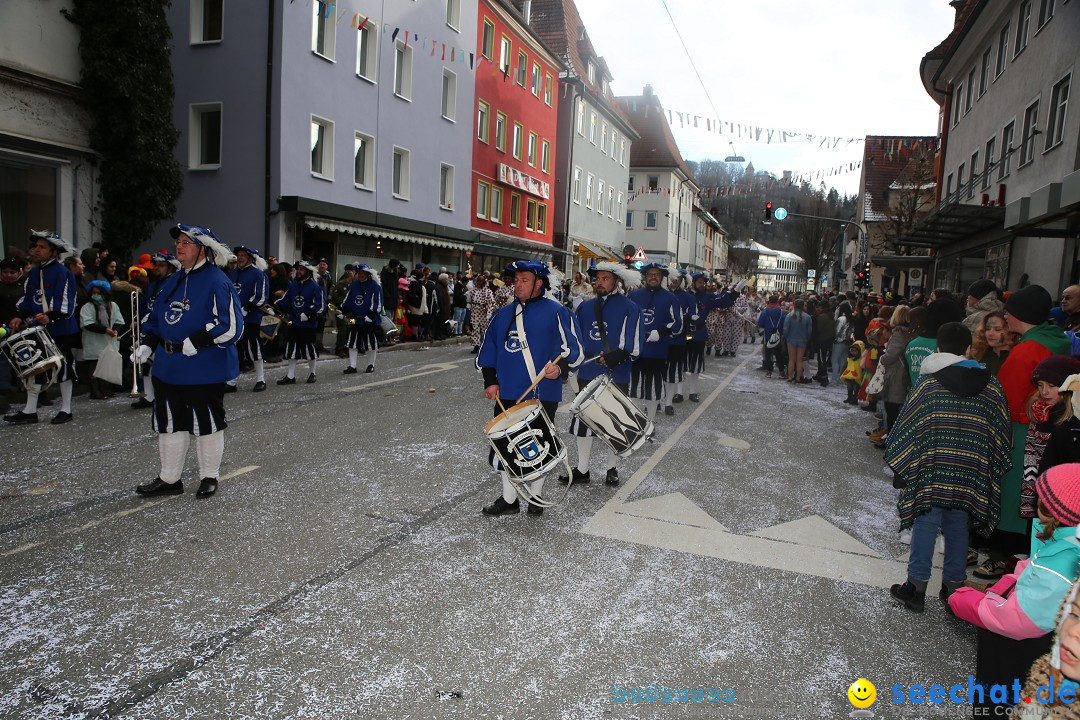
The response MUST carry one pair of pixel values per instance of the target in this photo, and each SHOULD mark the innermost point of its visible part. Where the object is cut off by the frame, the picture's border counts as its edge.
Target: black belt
(171, 347)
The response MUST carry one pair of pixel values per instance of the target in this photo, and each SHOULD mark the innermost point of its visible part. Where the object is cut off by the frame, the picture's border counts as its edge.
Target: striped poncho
(951, 451)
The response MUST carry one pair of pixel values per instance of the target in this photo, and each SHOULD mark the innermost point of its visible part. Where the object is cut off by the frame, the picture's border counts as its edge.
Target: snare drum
(525, 441)
(609, 413)
(32, 352)
(269, 326)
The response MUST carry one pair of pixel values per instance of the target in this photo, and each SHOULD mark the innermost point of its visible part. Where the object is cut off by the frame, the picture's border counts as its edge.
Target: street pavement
(344, 568)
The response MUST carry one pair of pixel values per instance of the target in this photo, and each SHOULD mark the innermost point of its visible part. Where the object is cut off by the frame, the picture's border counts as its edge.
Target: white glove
(303, 317)
(694, 317)
(653, 336)
(142, 354)
(740, 285)
(189, 348)
(341, 316)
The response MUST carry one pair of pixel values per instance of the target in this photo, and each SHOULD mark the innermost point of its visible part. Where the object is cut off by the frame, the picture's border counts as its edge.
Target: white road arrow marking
(424, 370)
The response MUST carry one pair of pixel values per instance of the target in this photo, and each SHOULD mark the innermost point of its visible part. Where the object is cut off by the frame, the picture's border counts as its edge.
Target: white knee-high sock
(148, 388)
(311, 365)
(172, 447)
(260, 371)
(232, 383)
(210, 448)
(509, 493)
(584, 453)
(670, 392)
(291, 373)
(650, 410)
(32, 396)
(371, 355)
(537, 487)
(679, 387)
(65, 396)
(353, 354)
(691, 383)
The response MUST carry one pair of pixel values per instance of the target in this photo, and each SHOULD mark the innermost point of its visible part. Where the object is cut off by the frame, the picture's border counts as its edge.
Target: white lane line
(426, 370)
(237, 473)
(21, 548)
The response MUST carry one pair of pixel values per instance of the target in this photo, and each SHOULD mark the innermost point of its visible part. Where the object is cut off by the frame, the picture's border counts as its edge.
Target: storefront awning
(590, 250)
(952, 223)
(510, 245)
(372, 231)
(902, 262)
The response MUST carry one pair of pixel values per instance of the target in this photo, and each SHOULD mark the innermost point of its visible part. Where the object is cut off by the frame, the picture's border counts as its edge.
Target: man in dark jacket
(388, 279)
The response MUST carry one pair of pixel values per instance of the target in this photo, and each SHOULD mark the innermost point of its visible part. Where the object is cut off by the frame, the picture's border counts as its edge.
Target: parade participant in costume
(253, 287)
(192, 330)
(49, 299)
(304, 302)
(730, 322)
(698, 334)
(481, 303)
(164, 265)
(611, 332)
(661, 317)
(531, 337)
(363, 304)
(676, 361)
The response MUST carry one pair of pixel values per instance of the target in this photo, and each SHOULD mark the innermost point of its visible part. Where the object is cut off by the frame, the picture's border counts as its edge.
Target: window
(500, 131)
(453, 13)
(654, 183)
(948, 185)
(600, 197)
(446, 186)
(1059, 103)
(610, 201)
(532, 150)
(323, 30)
(581, 117)
(541, 218)
(618, 206)
(366, 52)
(603, 137)
(1046, 11)
(204, 136)
(207, 21)
(629, 219)
(449, 95)
(1006, 150)
(622, 152)
(530, 215)
(1003, 49)
(974, 171)
(364, 161)
(549, 89)
(630, 184)
(971, 91)
(488, 44)
(592, 73)
(400, 186)
(515, 210)
(613, 137)
(483, 199)
(588, 191)
(322, 148)
(504, 55)
(545, 156)
(518, 133)
(496, 204)
(1029, 131)
(650, 219)
(483, 122)
(522, 68)
(1023, 27)
(592, 127)
(958, 102)
(577, 185)
(536, 75)
(403, 71)
(991, 146)
(984, 71)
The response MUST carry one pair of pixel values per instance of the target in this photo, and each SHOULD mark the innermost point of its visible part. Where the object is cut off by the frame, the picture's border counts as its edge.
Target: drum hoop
(506, 414)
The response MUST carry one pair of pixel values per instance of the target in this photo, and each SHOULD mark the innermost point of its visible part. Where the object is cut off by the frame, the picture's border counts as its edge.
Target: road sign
(780, 213)
(640, 256)
(735, 158)
(811, 273)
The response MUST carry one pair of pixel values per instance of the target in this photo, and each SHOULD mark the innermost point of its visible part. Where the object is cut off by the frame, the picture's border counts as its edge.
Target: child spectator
(1045, 408)
(1060, 668)
(852, 376)
(1063, 445)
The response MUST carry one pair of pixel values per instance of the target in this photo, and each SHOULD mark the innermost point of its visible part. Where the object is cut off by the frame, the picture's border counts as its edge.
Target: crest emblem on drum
(26, 352)
(176, 310)
(529, 448)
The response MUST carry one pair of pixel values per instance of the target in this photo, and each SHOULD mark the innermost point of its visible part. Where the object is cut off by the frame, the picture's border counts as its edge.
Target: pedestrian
(897, 381)
(983, 298)
(101, 321)
(948, 451)
(1059, 669)
(533, 337)
(843, 336)
(444, 313)
(798, 328)
(1047, 408)
(697, 334)
(362, 311)
(771, 322)
(675, 370)
(337, 299)
(661, 317)
(303, 303)
(1070, 308)
(253, 289)
(192, 331)
(852, 377)
(388, 281)
(481, 304)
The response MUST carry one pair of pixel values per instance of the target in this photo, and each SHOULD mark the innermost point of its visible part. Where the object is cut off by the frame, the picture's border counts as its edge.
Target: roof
(884, 158)
(760, 249)
(513, 8)
(657, 147)
(930, 66)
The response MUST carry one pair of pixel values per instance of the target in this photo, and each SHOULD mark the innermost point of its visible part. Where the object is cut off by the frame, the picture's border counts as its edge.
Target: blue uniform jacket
(59, 295)
(551, 333)
(364, 301)
(303, 298)
(704, 302)
(660, 311)
(200, 304)
(253, 287)
(147, 299)
(686, 304)
(622, 322)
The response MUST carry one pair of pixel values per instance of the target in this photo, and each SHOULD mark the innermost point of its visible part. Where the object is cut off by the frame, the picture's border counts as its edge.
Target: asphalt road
(344, 568)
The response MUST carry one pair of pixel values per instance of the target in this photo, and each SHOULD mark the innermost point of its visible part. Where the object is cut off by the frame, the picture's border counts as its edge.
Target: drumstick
(539, 377)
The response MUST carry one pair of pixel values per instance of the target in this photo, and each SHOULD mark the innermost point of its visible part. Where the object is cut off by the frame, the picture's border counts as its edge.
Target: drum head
(596, 385)
(511, 417)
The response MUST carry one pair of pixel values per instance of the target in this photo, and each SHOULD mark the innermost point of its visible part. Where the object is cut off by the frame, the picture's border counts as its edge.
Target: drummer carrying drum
(533, 336)
(611, 333)
(49, 301)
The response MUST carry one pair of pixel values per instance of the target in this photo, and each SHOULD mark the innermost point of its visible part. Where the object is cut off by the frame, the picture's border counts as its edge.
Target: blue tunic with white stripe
(51, 285)
(252, 287)
(364, 301)
(303, 298)
(660, 311)
(622, 324)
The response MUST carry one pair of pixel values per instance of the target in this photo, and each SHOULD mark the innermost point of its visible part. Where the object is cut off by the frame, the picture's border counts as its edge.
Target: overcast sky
(844, 67)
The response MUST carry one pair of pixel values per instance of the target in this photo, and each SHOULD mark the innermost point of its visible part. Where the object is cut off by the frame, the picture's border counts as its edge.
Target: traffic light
(866, 268)
(768, 212)
(860, 280)
(628, 253)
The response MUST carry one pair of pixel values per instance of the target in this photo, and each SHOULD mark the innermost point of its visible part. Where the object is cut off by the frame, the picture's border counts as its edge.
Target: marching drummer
(661, 317)
(533, 336)
(49, 300)
(253, 287)
(192, 332)
(363, 303)
(698, 334)
(304, 302)
(676, 359)
(610, 332)
(164, 266)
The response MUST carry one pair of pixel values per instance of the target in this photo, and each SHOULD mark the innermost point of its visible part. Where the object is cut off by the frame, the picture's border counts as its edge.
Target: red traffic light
(768, 212)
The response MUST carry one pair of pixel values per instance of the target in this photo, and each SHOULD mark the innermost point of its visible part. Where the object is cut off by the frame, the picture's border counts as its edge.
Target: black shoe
(142, 403)
(943, 595)
(350, 371)
(370, 369)
(676, 398)
(913, 599)
(259, 387)
(868, 408)
(310, 378)
(21, 418)
(824, 382)
(535, 509)
(475, 349)
(669, 410)
(612, 477)
(231, 388)
(44, 401)
(207, 488)
(61, 418)
(287, 381)
(580, 478)
(157, 486)
(694, 397)
(501, 507)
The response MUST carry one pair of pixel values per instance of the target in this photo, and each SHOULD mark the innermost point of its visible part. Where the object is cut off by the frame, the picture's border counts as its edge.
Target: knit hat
(1030, 305)
(1059, 490)
(981, 288)
(1054, 369)
(938, 313)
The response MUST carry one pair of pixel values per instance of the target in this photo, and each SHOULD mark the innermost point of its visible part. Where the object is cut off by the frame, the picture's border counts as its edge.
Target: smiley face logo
(862, 693)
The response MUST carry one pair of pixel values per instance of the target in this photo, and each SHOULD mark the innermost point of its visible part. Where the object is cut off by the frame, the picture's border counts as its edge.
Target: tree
(910, 198)
(127, 83)
(814, 238)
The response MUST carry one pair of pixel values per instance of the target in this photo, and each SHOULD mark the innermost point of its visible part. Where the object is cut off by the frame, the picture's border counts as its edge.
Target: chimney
(647, 92)
(526, 11)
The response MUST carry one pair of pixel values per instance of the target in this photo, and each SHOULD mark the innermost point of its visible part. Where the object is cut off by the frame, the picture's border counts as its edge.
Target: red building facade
(515, 126)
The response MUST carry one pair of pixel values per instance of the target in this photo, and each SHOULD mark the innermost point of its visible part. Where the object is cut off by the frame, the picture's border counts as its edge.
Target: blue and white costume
(661, 317)
(253, 289)
(364, 303)
(303, 302)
